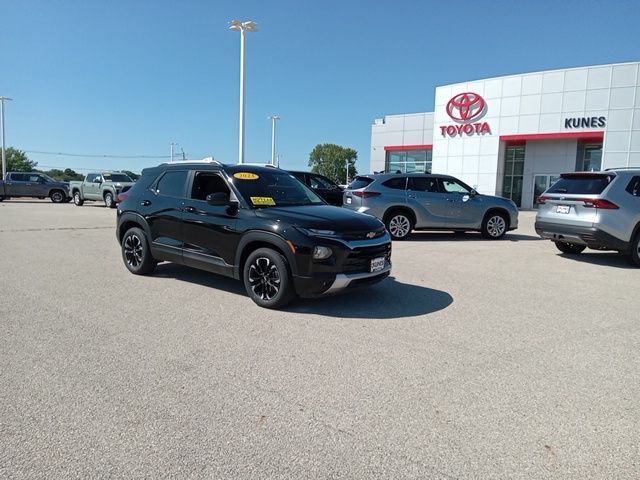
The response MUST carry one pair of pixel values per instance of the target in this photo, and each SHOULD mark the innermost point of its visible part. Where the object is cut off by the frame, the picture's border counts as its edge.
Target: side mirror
(218, 199)
(97, 180)
(473, 192)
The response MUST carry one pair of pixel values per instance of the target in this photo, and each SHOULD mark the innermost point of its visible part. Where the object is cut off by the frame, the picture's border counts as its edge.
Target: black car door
(210, 234)
(162, 207)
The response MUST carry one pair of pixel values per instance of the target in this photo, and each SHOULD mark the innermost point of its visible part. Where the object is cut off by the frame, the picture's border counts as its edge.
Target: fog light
(321, 253)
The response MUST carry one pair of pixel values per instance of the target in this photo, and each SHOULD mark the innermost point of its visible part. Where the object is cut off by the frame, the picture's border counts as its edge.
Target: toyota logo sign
(465, 107)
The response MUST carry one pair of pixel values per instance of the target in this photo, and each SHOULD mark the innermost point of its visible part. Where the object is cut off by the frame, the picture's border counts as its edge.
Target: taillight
(366, 194)
(542, 200)
(122, 197)
(599, 203)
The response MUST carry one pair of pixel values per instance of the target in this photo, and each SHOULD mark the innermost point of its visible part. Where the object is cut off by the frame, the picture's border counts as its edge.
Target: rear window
(634, 187)
(360, 182)
(398, 183)
(581, 184)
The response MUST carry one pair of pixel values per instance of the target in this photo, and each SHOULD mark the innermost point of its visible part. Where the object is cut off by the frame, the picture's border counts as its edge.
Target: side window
(18, 177)
(172, 184)
(33, 178)
(316, 181)
(206, 183)
(423, 184)
(451, 185)
(90, 177)
(397, 183)
(634, 187)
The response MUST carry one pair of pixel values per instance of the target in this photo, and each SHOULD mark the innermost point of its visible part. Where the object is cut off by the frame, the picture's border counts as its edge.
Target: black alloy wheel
(57, 196)
(267, 279)
(570, 248)
(135, 252)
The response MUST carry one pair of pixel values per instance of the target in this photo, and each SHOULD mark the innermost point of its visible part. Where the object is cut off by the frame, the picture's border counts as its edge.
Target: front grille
(124, 189)
(362, 235)
(360, 258)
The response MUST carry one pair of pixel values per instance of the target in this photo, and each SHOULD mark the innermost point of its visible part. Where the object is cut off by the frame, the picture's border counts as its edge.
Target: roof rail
(257, 164)
(621, 168)
(205, 160)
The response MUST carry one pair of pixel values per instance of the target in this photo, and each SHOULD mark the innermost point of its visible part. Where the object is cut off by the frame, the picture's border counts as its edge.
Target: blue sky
(128, 77)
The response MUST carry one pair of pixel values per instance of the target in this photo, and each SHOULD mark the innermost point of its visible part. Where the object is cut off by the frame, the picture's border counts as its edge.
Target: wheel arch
(399, 208)
(129, 220)
(252, 241)
(494, 210)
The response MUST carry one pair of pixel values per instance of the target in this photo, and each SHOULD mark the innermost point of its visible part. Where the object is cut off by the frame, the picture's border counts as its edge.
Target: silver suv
(419, 201)
(599, 210)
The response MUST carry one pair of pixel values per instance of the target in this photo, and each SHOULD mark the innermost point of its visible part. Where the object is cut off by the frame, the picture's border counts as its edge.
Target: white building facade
(513, 136)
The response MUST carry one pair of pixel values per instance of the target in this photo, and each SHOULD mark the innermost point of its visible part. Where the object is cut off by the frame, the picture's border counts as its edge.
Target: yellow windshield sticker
(106, 174)
(246, 176)
(263, 201)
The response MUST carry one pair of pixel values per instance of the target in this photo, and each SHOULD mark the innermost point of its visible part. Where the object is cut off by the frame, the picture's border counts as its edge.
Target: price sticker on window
(246, 176)
(262, 201)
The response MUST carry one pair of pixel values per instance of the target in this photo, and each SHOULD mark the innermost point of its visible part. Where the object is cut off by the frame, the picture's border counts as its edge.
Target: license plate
(348, 200)
(563, 209)
(377, 264)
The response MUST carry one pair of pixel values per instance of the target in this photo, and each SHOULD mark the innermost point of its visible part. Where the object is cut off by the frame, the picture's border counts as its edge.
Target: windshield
(47, 178)
(272, 189)
(116, 177)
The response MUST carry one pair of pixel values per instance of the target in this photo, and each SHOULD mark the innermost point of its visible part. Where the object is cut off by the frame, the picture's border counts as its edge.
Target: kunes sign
(465, 109)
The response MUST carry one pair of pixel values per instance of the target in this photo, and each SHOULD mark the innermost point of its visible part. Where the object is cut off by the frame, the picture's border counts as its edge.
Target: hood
(322, 217)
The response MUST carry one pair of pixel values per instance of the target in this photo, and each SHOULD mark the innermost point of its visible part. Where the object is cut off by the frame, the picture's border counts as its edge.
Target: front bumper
(321, 285)
(591, 237)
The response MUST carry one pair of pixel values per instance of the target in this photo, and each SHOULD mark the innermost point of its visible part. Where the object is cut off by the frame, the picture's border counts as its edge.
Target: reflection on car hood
(322, 217)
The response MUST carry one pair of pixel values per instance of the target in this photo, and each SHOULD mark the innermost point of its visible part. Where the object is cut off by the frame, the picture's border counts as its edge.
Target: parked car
(597, 210)
(323, 186)
(407, 202)
(34, 184)
(255, 224)
(100, 186)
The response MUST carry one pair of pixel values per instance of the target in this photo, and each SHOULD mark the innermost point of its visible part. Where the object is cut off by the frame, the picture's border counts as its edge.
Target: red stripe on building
(394, 148)
(553, 136)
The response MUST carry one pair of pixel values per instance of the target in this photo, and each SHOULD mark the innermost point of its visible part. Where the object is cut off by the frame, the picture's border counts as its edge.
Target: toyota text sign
(463, 109)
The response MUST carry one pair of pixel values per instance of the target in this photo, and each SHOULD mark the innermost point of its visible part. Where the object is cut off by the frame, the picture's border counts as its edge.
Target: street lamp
(173, 144)
(273, 137)
(4, 158)
(242, 27)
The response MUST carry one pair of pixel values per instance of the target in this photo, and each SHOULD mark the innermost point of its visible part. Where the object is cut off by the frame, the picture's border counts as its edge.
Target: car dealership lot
(478, 359)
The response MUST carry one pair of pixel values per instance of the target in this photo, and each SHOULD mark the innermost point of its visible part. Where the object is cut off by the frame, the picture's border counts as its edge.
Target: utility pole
(242, 27)
(4, 157)
(172, 145)
(347, 174)
(273, 118)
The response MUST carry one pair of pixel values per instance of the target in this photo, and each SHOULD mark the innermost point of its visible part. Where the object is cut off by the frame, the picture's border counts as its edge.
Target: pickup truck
(100, 186)
(34, 184)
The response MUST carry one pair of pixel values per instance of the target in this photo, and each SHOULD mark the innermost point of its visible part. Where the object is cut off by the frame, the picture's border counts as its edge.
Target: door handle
(145, 203)
(413, 196)
(29, 184)
(189, 209)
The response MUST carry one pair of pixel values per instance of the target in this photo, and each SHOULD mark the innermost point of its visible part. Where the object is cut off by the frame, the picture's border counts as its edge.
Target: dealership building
(514, 135)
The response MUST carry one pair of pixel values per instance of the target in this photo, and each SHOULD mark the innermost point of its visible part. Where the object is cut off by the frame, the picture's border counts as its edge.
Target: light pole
(242, 27)
(347, 174)
(273, 118)
(173, 144)
(4, 158)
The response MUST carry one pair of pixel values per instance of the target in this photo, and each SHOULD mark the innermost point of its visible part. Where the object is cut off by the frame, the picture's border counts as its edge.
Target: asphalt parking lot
(478, 359)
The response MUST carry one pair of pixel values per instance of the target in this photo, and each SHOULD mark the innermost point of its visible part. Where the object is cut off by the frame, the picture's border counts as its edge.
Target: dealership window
(513, 173)
(589, 157)
(408, 161)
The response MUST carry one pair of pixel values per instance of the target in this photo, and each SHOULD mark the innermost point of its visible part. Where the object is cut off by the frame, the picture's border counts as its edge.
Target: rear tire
(267, 279)
(109, 202)
(77, 199)
(57, 196)
(136, 253)
(635, 250)
(399, 224)
(570, 248)
(494, 226)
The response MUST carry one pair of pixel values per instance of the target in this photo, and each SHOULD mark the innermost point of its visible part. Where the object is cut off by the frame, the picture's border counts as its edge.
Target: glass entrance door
(540, 184)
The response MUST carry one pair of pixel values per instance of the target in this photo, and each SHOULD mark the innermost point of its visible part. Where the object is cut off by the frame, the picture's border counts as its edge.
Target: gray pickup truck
(100, 186)
(34, 184)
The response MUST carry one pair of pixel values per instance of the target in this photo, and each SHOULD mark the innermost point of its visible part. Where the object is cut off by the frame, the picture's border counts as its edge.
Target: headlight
(313, 232)
(321, 253)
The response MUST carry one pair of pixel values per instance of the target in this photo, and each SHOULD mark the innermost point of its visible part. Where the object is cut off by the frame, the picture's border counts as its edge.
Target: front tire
(399, 225)
(136, 253)
(109, 201)
(77, 199)
(267, 279)
(57, 196)
(635, 250)
(494, 226)
(570, 248)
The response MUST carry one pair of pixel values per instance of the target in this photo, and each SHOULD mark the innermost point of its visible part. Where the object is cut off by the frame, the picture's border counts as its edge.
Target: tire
(494, 225)
(136, 253)
(57, 196)
(570, 248)
(1, 198)
(267, 279)
(635, 250)
(77, 199)
(109, 202)
(399, 224)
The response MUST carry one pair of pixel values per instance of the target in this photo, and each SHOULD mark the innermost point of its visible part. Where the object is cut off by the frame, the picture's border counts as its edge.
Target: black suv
(254, 223)
(330, 191)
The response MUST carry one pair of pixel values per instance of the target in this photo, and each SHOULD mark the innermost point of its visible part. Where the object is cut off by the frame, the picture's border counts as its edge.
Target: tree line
(18, 161)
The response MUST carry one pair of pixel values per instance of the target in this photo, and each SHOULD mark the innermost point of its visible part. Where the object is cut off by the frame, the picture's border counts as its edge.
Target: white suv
(599, 210)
